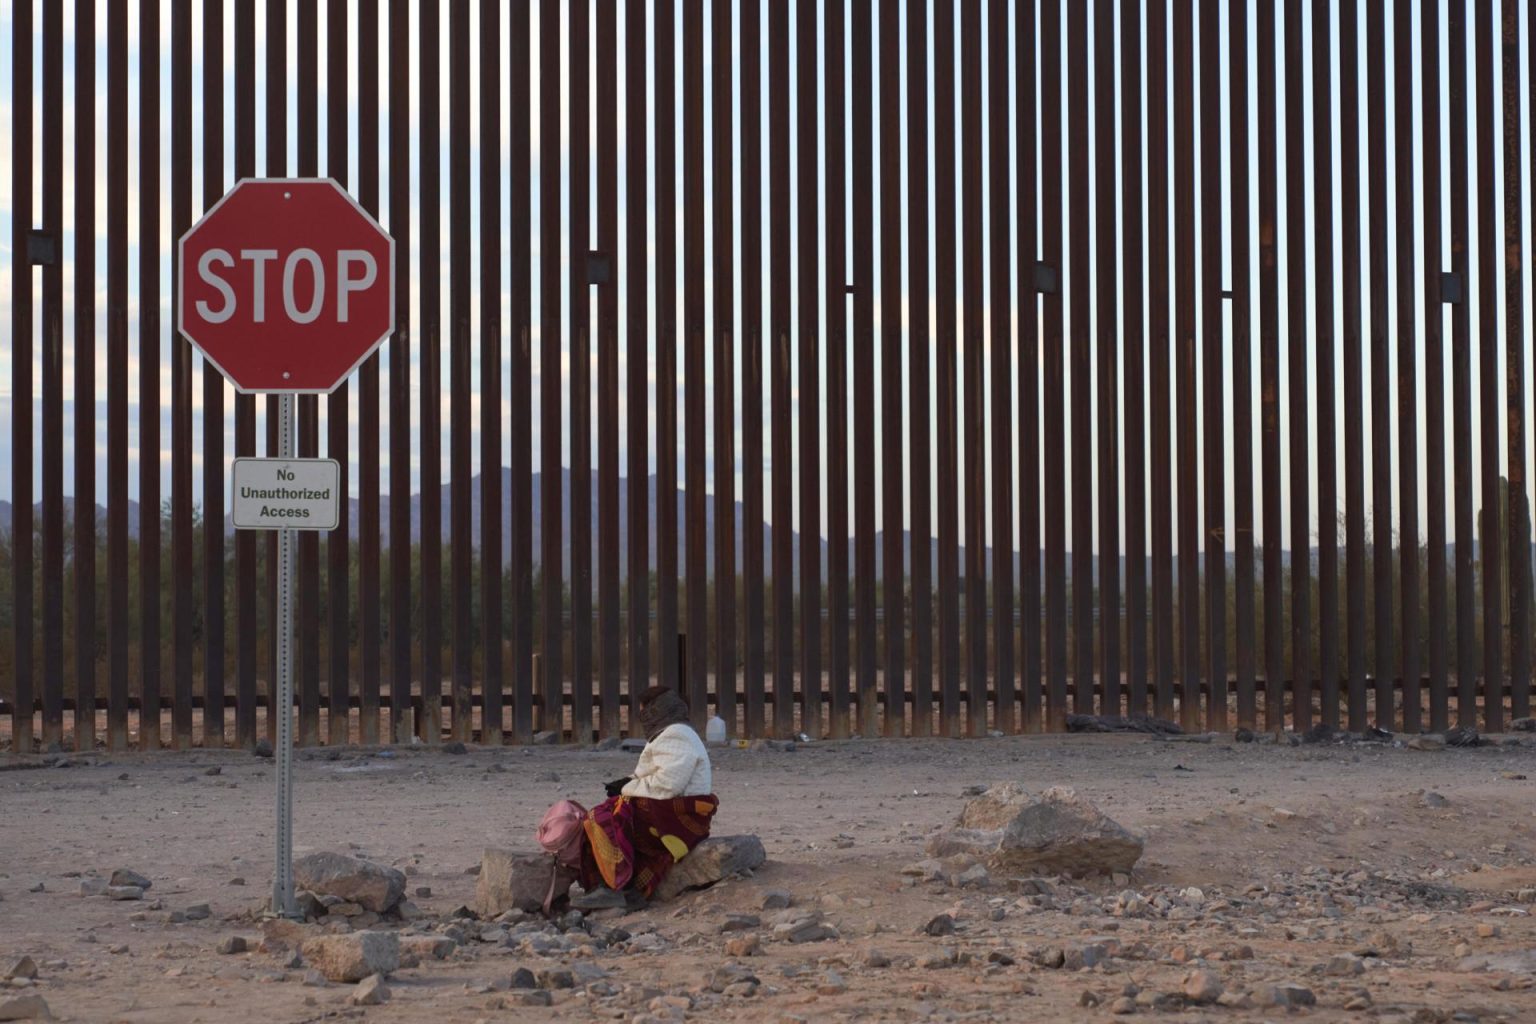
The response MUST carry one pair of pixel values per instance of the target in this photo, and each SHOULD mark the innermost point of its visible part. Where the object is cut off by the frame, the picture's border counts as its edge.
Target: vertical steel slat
(665, 53)
(307, 626)
(400, 585)
(1107, 346)
(581, 373)
(1327, 453)
(214, 547)
(1489, 527)
(247, 594)
(1434, 363)
(725, 369)
(1185, 261)
(1296, 269)
(779, 326)
(637, 356)
(1134, 327)
(119, 611)
(1216, 422)
(338, 544)
(893, 500)
(276, 167)
(181, 380)
(947, 377)
(752, 348)
(810, 281)
(1242, 369)
(1461, 372)
(53, 375)
(837, 361)
(460, 423)
(1002, 365)
(368, 441)
(1381, 367)
(1354, 341)
(149, 647)
(919, 344)
(84, 578)
(1079, 343)
(22, 212)
(150, 575)
(1269, 373)
(694, 383)
(1052, 203)
(551, 516)
(973, 335)
(520, 383)
(1157, 377)
(1407, 359)
(862, 84)
(1519, 509)
(607, 368)
(429, 721)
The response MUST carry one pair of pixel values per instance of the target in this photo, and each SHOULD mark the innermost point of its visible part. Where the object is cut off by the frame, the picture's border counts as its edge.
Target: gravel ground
(1378, 882)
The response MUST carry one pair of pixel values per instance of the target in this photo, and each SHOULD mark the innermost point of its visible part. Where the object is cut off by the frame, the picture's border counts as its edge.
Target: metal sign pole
(282, 880)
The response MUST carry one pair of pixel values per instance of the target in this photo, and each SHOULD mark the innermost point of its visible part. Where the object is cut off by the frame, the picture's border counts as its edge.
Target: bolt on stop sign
(286, 285)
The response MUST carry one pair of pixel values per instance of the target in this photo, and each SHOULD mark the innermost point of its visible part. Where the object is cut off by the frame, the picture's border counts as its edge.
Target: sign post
(286, 286)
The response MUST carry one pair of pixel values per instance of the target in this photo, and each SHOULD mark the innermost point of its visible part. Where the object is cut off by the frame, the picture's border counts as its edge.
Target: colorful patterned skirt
(632, 842)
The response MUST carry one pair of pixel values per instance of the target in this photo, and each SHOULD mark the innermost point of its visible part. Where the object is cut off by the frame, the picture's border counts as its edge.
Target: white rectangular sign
(286, 494)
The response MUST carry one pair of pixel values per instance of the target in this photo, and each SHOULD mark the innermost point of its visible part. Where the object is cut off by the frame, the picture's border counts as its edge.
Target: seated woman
(651, 820)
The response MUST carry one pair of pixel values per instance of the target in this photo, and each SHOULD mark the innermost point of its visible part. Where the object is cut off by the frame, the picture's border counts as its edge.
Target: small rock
(423, 892)
(548, 737)
(233, 944)
(26, 968)
(1486, 930)
(37, 887)
(93, 886)
(1011, 829)
(1428, 741)
(1359, 1001)
(215, 770)
(876, 959)
(1433, 800)
(455, 748)
(941, 924)
(537, 997)
(197, 912)
(262, 748)
(1202, 987)
(1345, 965)
(371, 991)
(351, 880)
(742, 946)
(560, 978)
(1291, 996)
(1462, 736)
(523, 978)
(1123, 1006)
(740, 923)
(129, 877)
(832, 984)
(27, 1007)
(314, 979)
(124, 892)
(777, 899)
(715, 858)
(351, 958)
(1088, 999)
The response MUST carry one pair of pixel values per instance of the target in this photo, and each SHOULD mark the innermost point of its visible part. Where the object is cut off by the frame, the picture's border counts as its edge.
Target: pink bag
(561, 833)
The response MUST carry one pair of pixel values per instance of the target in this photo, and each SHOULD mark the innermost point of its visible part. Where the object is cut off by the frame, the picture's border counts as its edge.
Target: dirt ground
(1381, 879)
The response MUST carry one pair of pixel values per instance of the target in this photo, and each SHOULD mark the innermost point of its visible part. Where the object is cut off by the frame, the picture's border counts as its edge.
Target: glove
(616, 787)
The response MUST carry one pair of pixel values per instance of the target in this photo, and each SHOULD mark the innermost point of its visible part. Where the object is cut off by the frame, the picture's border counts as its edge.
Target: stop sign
(286, 285)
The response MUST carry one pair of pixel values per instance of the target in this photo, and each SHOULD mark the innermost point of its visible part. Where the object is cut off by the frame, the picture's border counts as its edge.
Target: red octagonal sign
(286, 285)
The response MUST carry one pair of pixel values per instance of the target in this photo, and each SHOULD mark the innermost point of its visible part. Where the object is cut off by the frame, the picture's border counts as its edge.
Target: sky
(94, 236)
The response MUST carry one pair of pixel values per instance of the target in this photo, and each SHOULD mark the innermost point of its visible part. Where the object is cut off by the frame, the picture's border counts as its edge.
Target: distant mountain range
(445, 503)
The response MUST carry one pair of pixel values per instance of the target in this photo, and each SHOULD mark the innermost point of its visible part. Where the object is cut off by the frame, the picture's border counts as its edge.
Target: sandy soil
(1330, 866)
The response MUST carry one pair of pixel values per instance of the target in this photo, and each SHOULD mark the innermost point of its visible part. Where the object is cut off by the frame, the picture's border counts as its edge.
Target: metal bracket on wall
(1047, 280)
(1450, 288)
(42, 249)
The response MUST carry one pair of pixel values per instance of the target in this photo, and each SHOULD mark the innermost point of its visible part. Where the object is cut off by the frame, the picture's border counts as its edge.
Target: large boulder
(713, 859)
(1055, 832)
(371, 886)
(354, 957)
(517, 881)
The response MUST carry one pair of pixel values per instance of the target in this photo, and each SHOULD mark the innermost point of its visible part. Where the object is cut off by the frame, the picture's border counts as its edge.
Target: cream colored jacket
(673, 764)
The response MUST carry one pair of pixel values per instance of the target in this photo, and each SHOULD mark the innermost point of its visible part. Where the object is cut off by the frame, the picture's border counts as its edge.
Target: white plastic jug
(714, 730)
